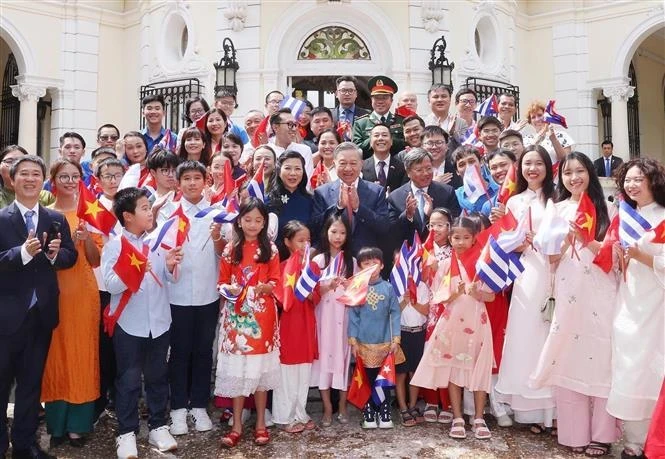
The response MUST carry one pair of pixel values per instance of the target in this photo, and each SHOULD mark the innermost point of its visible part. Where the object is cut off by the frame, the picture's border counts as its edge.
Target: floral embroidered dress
(460, 348)
(248, 357)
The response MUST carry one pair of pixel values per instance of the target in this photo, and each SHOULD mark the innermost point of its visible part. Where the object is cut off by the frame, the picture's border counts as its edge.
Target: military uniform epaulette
(361, 117)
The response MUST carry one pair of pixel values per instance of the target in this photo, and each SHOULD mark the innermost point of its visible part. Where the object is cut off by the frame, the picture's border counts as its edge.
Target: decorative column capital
(619, 93)
(27, 92)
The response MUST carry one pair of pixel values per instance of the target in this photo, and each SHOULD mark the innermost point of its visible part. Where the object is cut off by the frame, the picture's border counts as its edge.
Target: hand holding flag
(552, 117)
(93, 212)
(488, 107)
(509, 185)
(356, 293)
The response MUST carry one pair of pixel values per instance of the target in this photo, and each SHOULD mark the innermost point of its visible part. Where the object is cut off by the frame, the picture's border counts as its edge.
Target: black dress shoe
(33, 452)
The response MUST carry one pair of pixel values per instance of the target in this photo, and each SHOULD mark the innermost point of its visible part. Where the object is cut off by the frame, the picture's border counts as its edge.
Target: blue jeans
(135, 356)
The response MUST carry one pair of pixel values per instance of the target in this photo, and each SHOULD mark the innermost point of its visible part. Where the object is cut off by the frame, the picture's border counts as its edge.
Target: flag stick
(530, 227)
(624, 266)
(157, 280)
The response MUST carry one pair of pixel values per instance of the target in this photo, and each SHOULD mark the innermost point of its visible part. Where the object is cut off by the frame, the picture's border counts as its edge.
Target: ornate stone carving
(619, 93)
(28, 92)
(236, 14)
(432, 16)
(333, 43)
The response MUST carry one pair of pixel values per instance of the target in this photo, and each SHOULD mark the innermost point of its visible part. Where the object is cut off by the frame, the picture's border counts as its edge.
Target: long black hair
(594, 191)
(548, 182)
(346, 247)
(278, 188)
(265, 248)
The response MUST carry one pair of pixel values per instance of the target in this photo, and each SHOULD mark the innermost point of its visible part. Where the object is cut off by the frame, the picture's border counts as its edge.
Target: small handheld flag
(399, 275)
(334, 268)
(585, 219)
(631, 225)
(297, 106)
(604, 258)
(474, 184)
(356, 293)
(93, 212)
(386, 379)
(255, 187)
(659, 233)
(552, 117)
(509, 185)
(359, 391)
(552, 232)
(488, 107)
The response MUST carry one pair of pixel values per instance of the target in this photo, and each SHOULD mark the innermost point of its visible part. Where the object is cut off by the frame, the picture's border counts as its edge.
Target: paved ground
(350, 441)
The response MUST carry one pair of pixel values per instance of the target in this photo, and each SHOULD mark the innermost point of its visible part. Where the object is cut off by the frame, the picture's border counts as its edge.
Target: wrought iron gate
(175, 92)
(10, 105)
(485, 87)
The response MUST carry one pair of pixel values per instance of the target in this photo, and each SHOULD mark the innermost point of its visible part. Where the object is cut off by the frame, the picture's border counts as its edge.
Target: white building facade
(74, 65)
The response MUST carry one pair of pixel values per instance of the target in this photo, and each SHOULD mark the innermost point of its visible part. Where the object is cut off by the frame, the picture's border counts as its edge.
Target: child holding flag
(331, 369)
(459, 354)
(636, 378)
(297, 334)
(248, 358)
(374, 333)
(501, 164)
(478, 187)
(140, 306)
(576, 358)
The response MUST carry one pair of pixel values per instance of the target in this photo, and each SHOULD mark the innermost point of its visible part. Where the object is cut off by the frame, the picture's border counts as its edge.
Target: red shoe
(261, 437)
(231, 439)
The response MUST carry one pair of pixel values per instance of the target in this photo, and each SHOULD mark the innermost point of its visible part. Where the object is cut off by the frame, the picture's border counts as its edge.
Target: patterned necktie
(382, 173)
(29, 222)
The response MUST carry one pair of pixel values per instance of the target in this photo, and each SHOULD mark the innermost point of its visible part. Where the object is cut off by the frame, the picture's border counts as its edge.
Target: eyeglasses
(467, 101)
(346, 91)
(275, 102)
(108, 137)
(289, 124)
(68, 178)
(9, 161)
(109, 177)
(196, 111)
(166, 171)
(434, 143)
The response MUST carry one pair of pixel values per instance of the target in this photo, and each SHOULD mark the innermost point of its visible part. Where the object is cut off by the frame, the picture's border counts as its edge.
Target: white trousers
(290, 399)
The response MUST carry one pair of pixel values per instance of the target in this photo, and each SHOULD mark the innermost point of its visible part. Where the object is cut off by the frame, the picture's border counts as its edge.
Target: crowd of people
(93, 321)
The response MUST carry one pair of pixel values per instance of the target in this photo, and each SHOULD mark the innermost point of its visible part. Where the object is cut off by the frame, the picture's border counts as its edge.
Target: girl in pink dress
(576, 359)
(331, 369)
(459, 352)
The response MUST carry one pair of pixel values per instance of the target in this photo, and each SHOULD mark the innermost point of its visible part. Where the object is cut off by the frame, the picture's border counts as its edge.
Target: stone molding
(619, 93)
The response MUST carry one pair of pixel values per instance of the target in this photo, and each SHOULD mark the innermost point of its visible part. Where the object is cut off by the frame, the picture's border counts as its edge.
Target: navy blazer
(369, 222)
(396, 173)
(17, 281)
(599, 165)
(442, 196)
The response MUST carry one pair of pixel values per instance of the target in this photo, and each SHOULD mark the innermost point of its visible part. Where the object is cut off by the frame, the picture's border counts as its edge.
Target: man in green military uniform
(381, 89)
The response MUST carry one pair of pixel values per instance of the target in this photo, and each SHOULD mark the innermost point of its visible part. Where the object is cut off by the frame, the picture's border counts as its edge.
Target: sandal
(445, 417)
(602, 448)
(342, 418)
(577, 449)
(294, 427)
(628, 453)
(231, 439)
(261, 437)
(538, 429)
(309, 425)
(458, 430)
(430, 413)
(326, 421)
(415, 412)
(407, 418)
(480, 430)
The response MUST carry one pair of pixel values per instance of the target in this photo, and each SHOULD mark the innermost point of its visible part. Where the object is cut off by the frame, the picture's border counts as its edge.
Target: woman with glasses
(8, 157)
(195, 108)
(70, 384)
(557, 142)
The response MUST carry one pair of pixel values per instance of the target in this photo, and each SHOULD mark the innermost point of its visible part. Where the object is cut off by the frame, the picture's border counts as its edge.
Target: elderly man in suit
(34, 242)
(412, 203)
(607, 164)
(381, 168)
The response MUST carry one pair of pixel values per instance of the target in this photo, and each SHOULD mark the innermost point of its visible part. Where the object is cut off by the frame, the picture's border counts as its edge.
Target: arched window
(334, 43)
(10, 105)
(633, 117)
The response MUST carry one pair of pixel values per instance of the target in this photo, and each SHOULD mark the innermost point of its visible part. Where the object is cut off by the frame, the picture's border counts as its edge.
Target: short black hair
(28, 159)
(369, 253)
(502, 152)
(274, 92)
(110, 162)
(72, 135)
(188, 105)
(102, 151)
(410, 118)
(433, 130)
(380, 124)
(464, 90)
(485, 120)
(153, 98)
(162, 158)
(189, 166)
(437, 86)
(511, 133)
(465, 150)
(108, 125)
(9, 148)
(317, 110)
(277, 117)
(125, 200)
(607, 142)
(350, 78)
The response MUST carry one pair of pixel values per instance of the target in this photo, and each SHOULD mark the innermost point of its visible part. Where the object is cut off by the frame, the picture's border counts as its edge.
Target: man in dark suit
(412, 203)
(607, 163)
(346, 93)
(381, 168)
(361, 202)
(34, 242)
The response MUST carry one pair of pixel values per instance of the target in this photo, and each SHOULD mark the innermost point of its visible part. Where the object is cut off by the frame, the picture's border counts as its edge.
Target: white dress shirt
(25, 256)
(386, 166)
(304, 150)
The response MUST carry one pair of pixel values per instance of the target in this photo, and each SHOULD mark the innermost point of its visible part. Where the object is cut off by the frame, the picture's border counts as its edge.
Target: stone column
(619, 96)
(28, 95)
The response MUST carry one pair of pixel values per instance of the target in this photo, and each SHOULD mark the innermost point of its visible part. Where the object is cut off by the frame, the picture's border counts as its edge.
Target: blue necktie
(30, 225)
(608, 168)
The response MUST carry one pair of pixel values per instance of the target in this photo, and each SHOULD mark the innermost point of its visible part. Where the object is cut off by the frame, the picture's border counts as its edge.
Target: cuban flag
(226, 213)
(474, 185)
(296, 105)
(399, 275)
(494, 267)
(631, 225)
(488, 107)
(552, 117)
(334, 268)
(131, 177)
(168, 141)
(415, 259)
(386, 379)
(165, 235)
(255, 187)
(309, 276)
(510, 240)
(515, 267)
(470, 137)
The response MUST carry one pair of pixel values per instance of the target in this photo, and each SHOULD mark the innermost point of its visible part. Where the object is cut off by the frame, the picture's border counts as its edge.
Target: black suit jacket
(17, 281)
(359, 112)
(396, 173)
(599, 165)
(442, 196)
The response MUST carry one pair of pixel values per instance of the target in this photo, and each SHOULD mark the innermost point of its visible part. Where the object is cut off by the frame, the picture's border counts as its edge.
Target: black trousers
(106, 362)
(22, 359)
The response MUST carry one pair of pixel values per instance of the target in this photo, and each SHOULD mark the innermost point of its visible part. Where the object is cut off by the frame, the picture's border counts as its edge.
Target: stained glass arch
(334, 43)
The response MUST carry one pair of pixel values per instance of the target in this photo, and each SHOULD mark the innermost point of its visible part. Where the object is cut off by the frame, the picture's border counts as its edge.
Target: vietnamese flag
(91, 211)
(508, 186)
(315, 180)
(356, 293)
(443, 293)
(605, 258)
(585, 219)
(659, 236)
(229, 182)
(201, 123)
(285, 293)
(183, 226)
(428, 266)
(261, 129)
(359, 391)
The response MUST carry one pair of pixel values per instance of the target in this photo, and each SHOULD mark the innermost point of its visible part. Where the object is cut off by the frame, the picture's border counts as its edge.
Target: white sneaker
(125, 445)
(162, 439)
(244, 417)
(201, 419)
(268, 418)
(179, 422)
